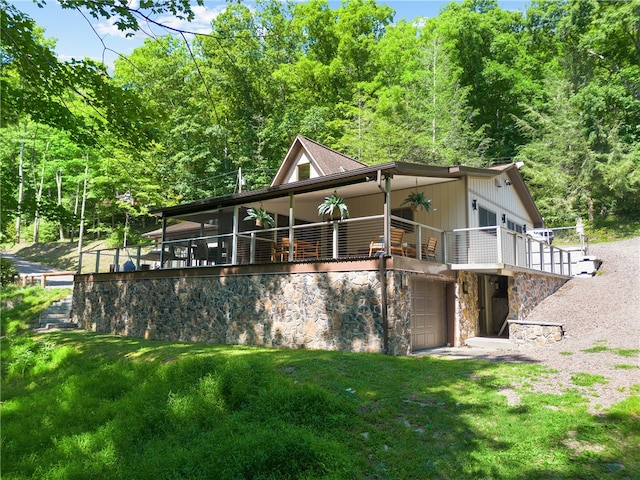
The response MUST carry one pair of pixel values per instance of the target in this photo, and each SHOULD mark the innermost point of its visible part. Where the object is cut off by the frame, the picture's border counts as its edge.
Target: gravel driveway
(601, 314)
(601, 311)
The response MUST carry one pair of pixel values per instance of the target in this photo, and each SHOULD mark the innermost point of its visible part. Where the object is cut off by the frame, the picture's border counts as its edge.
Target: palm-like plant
(261, 217)
(332, 204)
(417, 200)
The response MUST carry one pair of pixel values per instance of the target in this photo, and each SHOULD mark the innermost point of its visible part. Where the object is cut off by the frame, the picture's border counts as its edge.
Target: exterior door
(428, 319)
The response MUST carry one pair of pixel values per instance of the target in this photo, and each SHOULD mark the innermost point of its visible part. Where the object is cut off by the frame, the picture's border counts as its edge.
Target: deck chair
(281, 250)
(202, 252)
(429, 249)
(308, 249)
(395, 246)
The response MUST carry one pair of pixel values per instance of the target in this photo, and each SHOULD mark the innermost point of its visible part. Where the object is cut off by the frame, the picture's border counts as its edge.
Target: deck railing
(360, 237)
(491, 246)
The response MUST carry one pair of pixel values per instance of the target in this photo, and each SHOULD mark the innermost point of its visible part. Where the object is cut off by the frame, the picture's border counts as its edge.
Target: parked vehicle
(545, 234)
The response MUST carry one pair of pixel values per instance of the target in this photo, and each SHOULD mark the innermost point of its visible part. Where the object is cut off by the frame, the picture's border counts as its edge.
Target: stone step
(58, 315)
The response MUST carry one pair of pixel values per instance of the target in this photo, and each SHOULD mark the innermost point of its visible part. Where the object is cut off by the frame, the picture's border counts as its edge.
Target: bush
(8, 272)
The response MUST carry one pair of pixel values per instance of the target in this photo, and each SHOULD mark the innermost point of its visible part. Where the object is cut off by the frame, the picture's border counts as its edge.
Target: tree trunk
(84, 201)
(20, 186)
(36, 220)
(59, 185)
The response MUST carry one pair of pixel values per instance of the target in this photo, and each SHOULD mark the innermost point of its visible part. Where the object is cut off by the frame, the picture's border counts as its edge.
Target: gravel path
(601, 311)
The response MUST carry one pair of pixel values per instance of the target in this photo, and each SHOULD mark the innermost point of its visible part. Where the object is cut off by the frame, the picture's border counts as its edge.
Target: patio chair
(395, 246)
(202, 252)
(281, 250)
(429, 250)
(304, 249)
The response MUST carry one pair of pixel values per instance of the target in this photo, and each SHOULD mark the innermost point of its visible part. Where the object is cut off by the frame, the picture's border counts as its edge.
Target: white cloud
(200, 24)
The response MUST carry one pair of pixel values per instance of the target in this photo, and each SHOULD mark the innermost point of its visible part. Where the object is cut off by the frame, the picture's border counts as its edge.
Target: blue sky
(81, 36)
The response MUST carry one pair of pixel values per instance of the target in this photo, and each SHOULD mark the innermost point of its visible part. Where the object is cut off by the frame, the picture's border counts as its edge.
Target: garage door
(428, 320)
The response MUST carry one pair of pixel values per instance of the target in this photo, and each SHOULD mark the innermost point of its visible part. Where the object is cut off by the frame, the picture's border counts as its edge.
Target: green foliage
(417, 200)
(261, 217)
(8, 272)
(333, 203)
(555, 87)
(587, 379)
(22, 306)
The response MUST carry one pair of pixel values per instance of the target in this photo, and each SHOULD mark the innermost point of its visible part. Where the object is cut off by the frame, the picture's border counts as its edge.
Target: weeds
(587, 379)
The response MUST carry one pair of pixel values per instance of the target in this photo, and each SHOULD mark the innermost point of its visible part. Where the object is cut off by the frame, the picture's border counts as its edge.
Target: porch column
(292, 219)
(234, 238)
(164, 233)
(387, 215)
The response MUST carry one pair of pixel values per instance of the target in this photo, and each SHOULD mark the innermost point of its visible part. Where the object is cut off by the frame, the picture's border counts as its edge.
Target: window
(511, 225)
(304, 171)
(405, 213)
(487, 217)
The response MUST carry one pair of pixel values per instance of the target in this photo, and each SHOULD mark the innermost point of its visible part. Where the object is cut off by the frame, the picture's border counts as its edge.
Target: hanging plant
(417, 200)
(331, 204)
(261, 217)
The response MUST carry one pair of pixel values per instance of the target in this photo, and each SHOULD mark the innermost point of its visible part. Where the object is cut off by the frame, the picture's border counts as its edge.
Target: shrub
(8, 271)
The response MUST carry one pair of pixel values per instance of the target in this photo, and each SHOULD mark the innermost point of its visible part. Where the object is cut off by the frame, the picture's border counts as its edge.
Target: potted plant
(417, 200)
(261, 217)
(332, 204)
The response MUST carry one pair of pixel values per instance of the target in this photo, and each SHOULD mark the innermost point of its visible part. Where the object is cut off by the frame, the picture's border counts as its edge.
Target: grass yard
(80, 405)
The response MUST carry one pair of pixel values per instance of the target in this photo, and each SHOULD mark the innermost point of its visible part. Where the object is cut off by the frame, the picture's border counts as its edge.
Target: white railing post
(541, 252)
(234, 238)
(252, 248)
(336, 250)
(499, 240)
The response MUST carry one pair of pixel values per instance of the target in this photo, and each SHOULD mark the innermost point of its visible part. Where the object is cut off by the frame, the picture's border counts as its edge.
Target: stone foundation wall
(467, 307)
(526, 290)
(525, 334)
(319, 310)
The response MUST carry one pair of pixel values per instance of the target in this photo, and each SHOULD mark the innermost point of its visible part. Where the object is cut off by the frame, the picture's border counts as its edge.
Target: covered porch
(218, 232)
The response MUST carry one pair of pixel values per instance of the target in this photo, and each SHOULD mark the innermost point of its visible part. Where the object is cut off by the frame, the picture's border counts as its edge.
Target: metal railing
(501, 246)
(360, 237)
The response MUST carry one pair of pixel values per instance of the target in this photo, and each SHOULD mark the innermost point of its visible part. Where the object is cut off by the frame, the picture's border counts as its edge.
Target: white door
(428, 320)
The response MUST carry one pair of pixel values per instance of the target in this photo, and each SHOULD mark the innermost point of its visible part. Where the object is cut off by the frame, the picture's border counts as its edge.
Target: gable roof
(513, 172)
(325, 160)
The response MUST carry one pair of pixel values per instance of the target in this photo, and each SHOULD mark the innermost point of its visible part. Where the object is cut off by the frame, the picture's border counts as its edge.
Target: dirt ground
(602, 311)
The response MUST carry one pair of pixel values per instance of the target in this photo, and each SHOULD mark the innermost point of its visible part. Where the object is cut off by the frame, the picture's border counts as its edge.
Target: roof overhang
(361, 181)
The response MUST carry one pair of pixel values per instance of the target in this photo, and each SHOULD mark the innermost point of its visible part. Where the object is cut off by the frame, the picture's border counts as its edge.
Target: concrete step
(58, 315)
(490, 343)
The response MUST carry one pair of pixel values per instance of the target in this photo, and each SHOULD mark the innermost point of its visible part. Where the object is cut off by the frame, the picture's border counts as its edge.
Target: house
(463, 269)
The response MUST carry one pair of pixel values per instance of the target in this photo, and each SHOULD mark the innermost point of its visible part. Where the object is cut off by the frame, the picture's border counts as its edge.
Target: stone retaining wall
(318, 310)
(526, 290)
(527, 334)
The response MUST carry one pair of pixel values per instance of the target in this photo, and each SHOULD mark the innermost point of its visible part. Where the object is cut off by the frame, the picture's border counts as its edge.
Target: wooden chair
(395, 246)
(304, 249)
(281, 250)
(429, 249)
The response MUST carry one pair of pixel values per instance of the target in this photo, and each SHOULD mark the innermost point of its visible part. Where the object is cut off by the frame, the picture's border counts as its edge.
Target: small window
(405, 213)
(487, 218)
(304, 171)
(511, 225)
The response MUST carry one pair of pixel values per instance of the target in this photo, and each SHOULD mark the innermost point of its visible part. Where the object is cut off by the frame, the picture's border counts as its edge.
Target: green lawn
(80, 405)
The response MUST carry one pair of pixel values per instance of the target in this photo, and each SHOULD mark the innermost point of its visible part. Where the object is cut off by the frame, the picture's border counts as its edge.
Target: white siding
(302, 158)
(503, 200)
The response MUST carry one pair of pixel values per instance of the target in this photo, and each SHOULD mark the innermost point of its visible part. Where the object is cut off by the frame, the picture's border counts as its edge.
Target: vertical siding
(501, 200)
